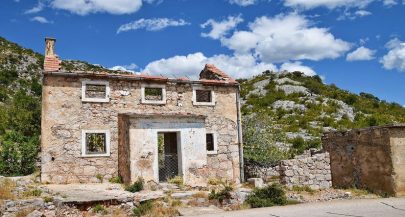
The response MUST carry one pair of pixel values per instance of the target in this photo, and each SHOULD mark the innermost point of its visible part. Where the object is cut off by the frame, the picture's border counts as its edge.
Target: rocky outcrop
(288, 105)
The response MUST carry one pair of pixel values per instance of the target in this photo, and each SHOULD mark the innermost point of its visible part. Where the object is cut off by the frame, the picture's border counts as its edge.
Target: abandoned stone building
(371, 158)
(101, 125)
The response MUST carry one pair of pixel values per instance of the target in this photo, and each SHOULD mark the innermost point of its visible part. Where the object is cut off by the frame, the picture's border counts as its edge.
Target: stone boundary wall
(310, 169)
(260, 170)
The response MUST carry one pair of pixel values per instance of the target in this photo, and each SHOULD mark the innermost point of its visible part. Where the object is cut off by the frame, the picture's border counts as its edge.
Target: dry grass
(24, 212)
(159, 211)
(6, 188)
(201, 194)
(214, 181)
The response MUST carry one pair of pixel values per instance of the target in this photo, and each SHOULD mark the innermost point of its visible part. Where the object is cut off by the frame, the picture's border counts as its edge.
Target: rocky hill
(286, 113)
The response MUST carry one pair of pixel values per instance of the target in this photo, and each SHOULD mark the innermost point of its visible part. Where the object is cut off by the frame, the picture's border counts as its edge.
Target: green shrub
(268, 196)
(99, 209)
(177, 180)
(143, 208)
(18, 154)
(304, 188)
(116, 179)
(100, 177)
(136, 186)
(224, 193)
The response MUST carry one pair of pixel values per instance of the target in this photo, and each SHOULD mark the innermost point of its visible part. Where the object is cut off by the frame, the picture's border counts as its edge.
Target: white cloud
(41, 20)
(390, 2)
(297, 66)
(39, 7)
(361, 53)
(243, 3)
(395, 58)
(221, 28)
(331, 4)
(84, 7)
(237, 66)
(286, 37)
(128, 68)
(362, 13)
(154, 24)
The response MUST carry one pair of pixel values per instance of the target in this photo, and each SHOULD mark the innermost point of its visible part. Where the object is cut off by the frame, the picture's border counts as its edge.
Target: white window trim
(212, 103)
(215, 151)
(156, 102)
(107, 91)
(107, 143)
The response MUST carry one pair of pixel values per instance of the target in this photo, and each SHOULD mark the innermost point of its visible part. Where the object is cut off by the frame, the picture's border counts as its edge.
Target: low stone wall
(260, 170)
(310, 169)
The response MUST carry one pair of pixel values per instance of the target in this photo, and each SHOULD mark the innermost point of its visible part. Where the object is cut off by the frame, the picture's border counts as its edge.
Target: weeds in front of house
(47, 199)
(33, 193)
(267, 196)
(223, 193)
(100, 209)
(214, 181)
(177, 180)
(115, 179)
(154, 209)
(100, 177)
(24, 212)
(304, 188)
(136, 186)
(6, 189)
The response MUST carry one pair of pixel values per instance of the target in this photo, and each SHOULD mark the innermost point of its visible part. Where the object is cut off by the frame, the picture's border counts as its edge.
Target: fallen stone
(182, 195)
(257, 182)
(193, 211)
(35, 213)
(149, 195)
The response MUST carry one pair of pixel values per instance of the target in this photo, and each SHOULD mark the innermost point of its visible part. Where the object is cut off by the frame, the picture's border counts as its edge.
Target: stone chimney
(211, 72)
(51, 62)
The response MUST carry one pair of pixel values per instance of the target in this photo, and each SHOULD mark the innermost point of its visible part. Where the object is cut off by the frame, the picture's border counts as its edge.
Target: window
(203, 96)
(153, 94)
(95, 91)
(95, 143)
(211, 143)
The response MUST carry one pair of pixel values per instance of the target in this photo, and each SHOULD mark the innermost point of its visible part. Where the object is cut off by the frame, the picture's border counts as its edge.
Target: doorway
(168, 155)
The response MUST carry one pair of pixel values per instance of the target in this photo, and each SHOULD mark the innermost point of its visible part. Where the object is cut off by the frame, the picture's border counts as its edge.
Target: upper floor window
(95, 91)
(95, 143)
(203, 96)
(153, 94)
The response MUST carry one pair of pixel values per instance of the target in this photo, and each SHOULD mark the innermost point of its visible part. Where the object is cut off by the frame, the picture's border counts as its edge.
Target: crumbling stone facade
(309, 169)
(371, 158)
(129, 127)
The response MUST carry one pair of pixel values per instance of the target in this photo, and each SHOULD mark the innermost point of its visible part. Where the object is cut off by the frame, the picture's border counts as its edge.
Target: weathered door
(168, 156)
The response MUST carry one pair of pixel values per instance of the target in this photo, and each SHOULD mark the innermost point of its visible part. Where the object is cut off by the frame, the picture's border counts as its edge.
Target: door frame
(179, 150)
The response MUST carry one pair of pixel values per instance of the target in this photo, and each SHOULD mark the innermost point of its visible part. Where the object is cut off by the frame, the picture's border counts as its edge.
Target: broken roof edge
(396, 125)
(141, 77)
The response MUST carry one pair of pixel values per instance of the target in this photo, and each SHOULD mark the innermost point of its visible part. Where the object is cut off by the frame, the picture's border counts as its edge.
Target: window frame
(107, 143)
(214, 138)
(107, 91)
(195, 88)
(154, 102)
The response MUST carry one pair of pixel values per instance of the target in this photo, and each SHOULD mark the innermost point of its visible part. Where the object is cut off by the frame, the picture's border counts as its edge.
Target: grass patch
(100, 177)
(100, 209)
(177, 180)
(6, 188)
(304, 188)
(33, 193)
(214, 181)
(143, 208)
(116, 179)
(48, 199)
(222, 194)
(136, 186)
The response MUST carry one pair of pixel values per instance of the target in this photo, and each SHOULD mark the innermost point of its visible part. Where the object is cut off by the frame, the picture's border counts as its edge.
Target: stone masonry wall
(371, 158)
(64, 116)
(311, 170)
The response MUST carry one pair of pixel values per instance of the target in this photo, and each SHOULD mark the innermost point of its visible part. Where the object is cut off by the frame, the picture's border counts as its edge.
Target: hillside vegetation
(286, 113)
(283, 113)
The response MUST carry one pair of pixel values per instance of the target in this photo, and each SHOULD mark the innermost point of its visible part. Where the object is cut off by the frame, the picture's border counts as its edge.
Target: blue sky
(359, 45)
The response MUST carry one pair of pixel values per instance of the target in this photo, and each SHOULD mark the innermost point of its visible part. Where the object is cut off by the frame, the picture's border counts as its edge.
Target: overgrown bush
(268, 196)
(222, 194)
(136, 186)
(18, 154)
(143, 208)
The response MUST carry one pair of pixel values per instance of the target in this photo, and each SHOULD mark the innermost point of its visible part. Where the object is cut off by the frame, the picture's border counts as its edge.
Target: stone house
(101, 125)
(371, 158)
